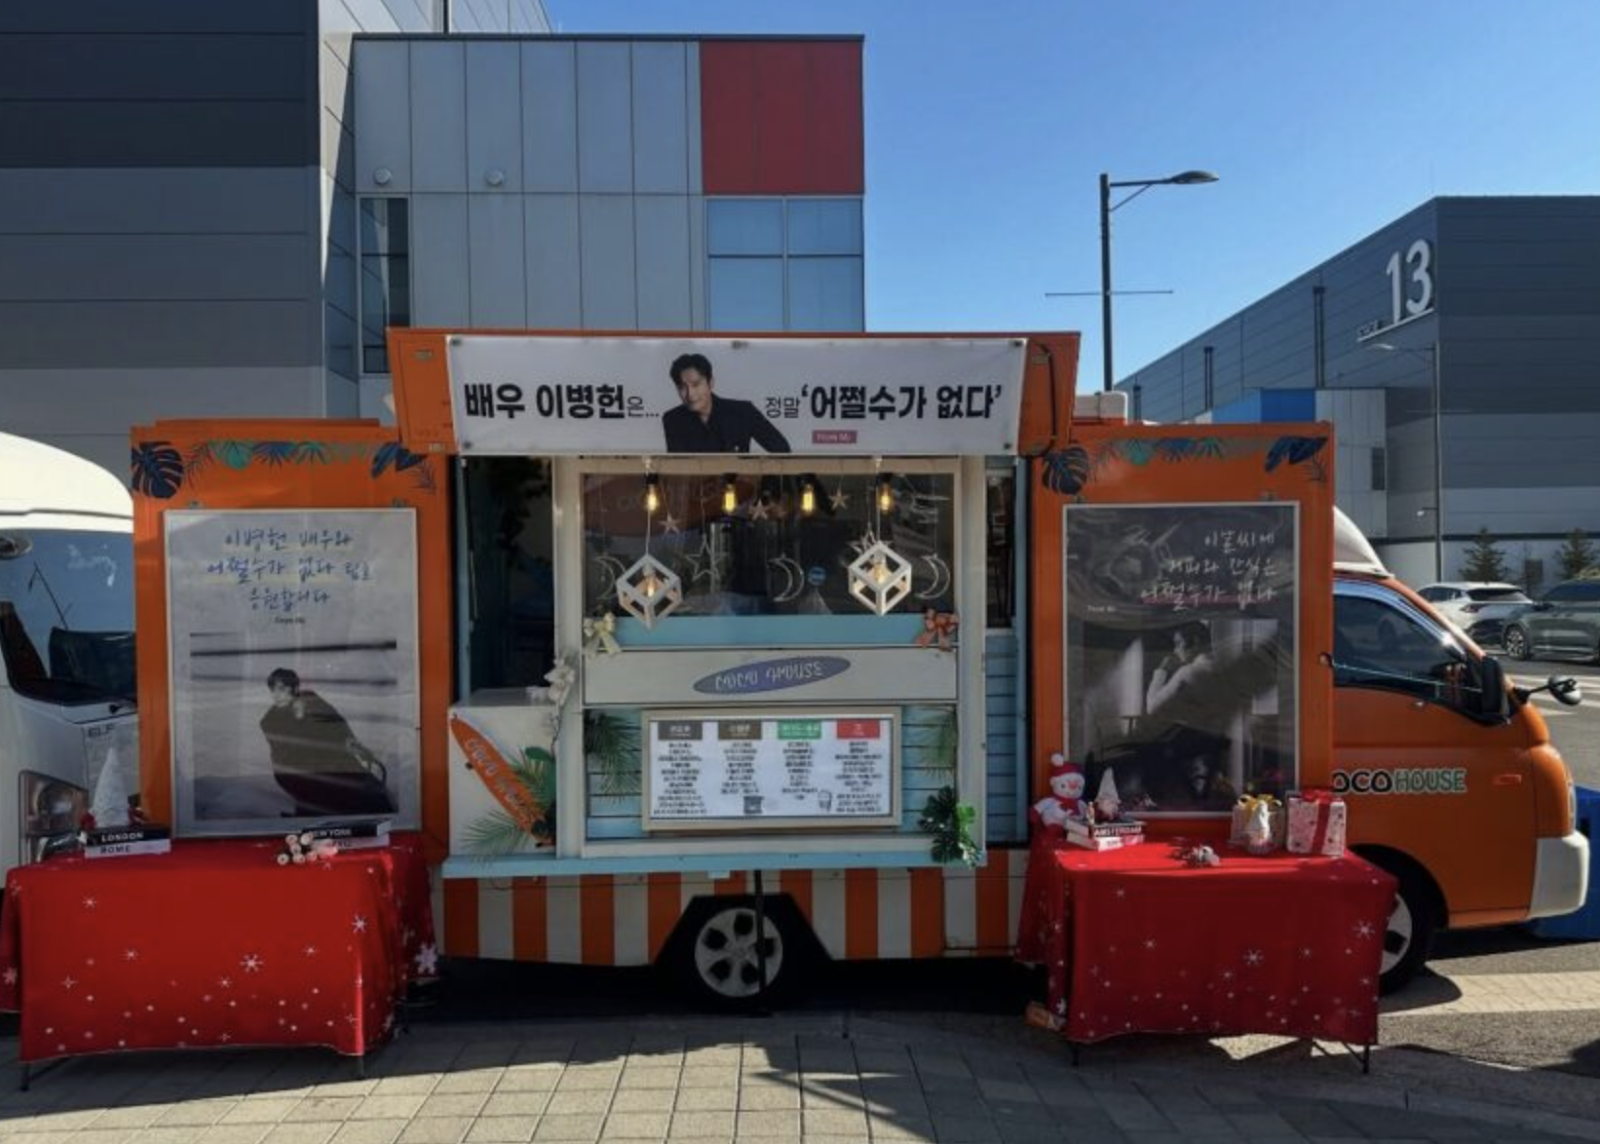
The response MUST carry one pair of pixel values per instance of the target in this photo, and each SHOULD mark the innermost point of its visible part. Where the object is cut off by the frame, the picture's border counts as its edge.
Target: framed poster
(1181, 650)
(739, 770)
(293, 645)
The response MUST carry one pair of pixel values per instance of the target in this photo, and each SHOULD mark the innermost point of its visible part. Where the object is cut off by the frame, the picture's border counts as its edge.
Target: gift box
(1317, 823)
(1244, 811)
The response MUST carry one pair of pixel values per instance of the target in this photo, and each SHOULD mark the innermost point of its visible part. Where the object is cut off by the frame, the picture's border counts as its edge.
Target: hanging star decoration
(703, 563)
(759, 509)
(839, 500)
(669, 525)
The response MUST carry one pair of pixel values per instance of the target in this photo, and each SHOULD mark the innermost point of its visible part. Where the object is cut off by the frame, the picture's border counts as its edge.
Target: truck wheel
(1409, 933)
(717, 958)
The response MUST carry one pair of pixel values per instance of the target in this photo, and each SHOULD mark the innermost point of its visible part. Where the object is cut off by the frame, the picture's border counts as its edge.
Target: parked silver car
(1565, 621)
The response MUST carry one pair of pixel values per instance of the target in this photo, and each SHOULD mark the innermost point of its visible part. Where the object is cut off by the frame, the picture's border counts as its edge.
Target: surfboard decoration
(492, 768)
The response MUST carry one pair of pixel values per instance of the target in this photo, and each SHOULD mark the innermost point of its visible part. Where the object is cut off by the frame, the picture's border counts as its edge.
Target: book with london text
(121, 841)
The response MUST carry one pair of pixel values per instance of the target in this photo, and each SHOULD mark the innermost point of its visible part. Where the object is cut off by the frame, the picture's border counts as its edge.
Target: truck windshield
(66, 614)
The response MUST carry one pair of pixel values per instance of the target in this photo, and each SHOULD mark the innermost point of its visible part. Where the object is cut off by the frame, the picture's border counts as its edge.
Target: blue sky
(988, 125)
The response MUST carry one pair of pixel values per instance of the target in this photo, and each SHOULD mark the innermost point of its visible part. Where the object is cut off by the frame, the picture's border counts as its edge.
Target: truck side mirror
(1494, 701)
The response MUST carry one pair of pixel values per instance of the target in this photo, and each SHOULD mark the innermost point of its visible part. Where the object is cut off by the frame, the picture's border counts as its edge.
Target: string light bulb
(880, 571)
(652, 492)
(808, 497)
(885, 492)
(650, 586)
(730, 495)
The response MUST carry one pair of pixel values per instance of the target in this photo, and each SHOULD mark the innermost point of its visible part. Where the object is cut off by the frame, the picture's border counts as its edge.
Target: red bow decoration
(937, 628)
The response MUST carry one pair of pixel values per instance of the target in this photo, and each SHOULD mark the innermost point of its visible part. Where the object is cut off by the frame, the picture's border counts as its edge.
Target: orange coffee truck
(727, 653)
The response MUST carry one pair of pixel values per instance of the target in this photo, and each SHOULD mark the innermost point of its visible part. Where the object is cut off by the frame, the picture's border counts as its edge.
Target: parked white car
(1479, 609)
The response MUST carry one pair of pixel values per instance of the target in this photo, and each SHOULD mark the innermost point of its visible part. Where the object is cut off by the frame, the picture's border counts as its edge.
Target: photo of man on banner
(707, 422)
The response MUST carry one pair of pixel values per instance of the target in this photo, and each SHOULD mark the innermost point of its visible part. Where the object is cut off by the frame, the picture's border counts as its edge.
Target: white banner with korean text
(833, 396)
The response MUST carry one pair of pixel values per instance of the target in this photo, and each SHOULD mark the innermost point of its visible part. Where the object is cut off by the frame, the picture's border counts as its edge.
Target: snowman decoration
(1065, 800)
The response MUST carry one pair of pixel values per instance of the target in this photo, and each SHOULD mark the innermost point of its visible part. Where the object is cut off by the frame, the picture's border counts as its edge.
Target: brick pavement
(817, 1078)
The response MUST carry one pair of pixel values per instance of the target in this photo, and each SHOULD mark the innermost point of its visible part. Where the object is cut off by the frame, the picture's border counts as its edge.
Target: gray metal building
(214, 209)
(1490, 305)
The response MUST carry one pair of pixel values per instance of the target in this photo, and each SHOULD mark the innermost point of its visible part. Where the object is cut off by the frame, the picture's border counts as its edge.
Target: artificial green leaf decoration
(950, 821)
(612, 741)
(497, 833)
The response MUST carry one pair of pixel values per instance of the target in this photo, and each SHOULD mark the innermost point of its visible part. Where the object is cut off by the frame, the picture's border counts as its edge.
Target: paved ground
(816, 1078)
(1575, 730)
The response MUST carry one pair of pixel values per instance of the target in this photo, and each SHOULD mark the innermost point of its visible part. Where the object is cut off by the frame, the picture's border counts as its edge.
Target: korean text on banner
(570, 395)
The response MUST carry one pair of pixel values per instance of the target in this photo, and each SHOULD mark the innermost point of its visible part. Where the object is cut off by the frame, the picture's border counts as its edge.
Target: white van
(68, 722)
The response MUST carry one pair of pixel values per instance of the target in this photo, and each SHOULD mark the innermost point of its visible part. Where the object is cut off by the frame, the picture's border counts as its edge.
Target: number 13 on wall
(1410, 281)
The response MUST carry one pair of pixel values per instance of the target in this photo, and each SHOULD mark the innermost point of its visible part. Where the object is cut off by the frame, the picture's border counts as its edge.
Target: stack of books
(120, 841)
(1104, 835)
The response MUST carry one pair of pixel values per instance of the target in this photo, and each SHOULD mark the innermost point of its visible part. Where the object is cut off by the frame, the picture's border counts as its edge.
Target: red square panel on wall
(781, 117)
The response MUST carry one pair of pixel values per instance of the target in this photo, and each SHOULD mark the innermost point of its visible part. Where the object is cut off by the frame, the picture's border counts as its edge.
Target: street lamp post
(1184, 179)
(1438, 448)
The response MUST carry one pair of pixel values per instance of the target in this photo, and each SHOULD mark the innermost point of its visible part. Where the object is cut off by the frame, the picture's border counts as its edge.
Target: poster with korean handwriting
(707, 771)
(1181, 650)
(836, 396)
(294, 668)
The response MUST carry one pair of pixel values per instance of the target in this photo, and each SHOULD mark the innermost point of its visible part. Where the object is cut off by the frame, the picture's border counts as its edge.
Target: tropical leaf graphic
(200, 458)
(1138, 451)
(1175, 448)
(1211, 448)
(310, 453)
(385, 457)
(157, 469)
(273, 453)
(1068, 471)
(1294, 450)
(235, 454)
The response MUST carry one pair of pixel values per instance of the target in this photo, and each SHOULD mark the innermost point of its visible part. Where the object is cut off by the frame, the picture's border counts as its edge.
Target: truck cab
(68, 736)
(1453, 783)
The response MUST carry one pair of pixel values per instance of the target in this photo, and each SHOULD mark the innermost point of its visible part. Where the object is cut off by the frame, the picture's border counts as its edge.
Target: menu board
(798, 768)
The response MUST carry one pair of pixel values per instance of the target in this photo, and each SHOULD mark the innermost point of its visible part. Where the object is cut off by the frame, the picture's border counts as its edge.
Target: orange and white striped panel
(625, 919)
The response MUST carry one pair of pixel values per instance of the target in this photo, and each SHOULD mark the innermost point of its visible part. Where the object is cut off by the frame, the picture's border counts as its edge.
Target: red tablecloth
(213, 944)
(1135, 941)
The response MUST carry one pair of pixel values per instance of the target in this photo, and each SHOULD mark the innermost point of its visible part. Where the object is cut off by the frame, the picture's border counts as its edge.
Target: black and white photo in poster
(294, 667)
(1181, 634)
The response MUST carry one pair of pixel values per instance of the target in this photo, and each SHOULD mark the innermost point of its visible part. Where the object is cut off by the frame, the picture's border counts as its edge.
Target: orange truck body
(1479, 847)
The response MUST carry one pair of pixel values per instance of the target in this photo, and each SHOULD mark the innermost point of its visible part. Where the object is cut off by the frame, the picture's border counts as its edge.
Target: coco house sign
(772, 675)
(832, 396)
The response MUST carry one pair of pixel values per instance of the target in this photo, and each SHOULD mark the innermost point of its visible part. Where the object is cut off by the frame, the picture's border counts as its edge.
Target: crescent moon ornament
(612, 567)
(941, 578)
(794, 578)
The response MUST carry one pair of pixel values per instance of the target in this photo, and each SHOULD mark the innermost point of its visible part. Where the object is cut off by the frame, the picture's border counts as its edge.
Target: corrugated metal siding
(1001, 760)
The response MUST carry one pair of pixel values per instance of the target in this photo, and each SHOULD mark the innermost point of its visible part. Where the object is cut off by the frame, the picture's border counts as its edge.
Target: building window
(785, 264)
(1211, 378)
(1380, 469)
(1138, 402)
(385, 277)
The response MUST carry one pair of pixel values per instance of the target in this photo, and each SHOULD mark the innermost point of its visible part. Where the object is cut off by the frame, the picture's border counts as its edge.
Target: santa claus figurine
(1065, 799)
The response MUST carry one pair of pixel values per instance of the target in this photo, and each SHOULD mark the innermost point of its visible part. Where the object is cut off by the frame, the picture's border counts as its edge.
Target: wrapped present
(1252, 808)
(1317, 821)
